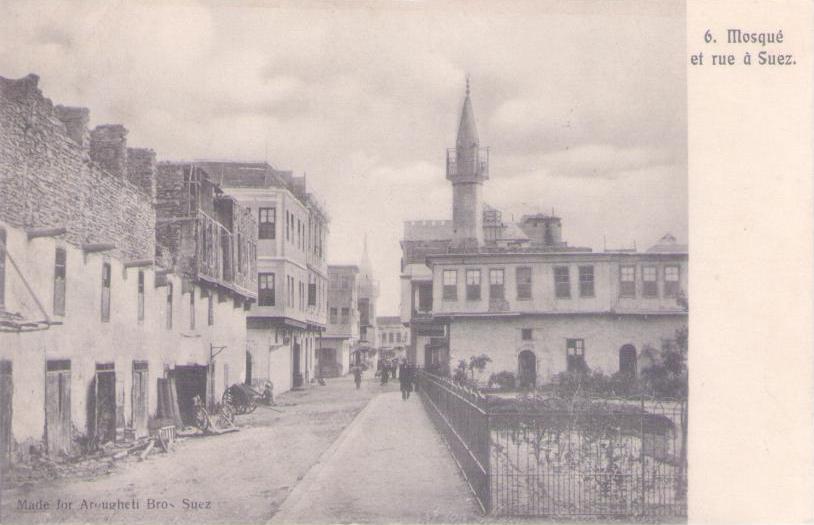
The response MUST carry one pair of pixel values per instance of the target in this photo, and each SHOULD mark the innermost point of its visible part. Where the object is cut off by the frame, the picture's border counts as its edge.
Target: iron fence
(577, 458)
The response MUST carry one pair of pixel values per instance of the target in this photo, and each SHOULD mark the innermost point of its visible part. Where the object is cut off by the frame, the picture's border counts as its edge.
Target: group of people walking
(406, 373)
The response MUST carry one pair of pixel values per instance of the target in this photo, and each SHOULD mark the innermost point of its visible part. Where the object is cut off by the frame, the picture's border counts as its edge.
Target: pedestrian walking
(385, 374)
(414, 376)
(357, 376)
(405, 382)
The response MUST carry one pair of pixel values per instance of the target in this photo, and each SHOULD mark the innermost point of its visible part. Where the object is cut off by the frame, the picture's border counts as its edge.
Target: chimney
(141, 170)
(108, 147)
(76, 124)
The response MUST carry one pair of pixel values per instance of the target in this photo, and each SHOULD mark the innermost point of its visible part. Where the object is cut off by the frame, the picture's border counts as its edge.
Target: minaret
(365, 266)
(467, 168)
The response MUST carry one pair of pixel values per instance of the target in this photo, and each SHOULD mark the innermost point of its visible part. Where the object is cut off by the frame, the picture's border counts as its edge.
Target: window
(650, 285)
(586, 281)
(526, 334)
(562, 282)
(168, 321)
(627, 281)
(671, 280)
(523, 276)
(575, 355)
(267, 223)
(59, 282)
(425, 297)
(496, 290)
(333, 315)
(105, 292)
(345, 315)
(210, 309)
(450, 285)
(473, 285)
(192, 309)
(391, 337)
(265, 289)
(312, 290)
(398, 337)
(140, 295)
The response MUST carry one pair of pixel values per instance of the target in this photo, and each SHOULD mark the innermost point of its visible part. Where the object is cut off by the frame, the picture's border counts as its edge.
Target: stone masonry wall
(47, 179)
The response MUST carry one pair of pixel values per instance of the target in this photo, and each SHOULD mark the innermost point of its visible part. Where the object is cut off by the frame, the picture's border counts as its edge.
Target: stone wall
(48, 177)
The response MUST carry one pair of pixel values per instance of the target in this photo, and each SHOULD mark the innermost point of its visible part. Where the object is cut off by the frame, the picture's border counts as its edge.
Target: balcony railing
(216, 255)
(468, 165)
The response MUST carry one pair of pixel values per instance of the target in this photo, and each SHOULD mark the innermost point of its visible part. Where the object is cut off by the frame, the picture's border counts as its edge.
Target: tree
(668, 375)
(478, 363)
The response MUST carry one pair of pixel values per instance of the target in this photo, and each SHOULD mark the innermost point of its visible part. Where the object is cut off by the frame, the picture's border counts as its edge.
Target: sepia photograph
(343, 262)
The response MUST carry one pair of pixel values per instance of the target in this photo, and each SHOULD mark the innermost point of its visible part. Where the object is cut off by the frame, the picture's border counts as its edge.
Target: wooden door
(139, 397)
(105, 430)
(297, 378)
(58, 407)
(6, 392)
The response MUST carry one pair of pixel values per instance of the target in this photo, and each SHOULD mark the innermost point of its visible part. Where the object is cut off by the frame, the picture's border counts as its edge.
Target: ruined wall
(51, 174)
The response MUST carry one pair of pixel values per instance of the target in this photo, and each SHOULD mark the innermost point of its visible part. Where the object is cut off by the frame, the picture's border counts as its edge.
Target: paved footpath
(388, 466)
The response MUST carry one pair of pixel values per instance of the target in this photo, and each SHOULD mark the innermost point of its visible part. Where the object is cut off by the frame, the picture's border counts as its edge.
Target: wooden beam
(34, 233)
(98, 247)
(138, 263)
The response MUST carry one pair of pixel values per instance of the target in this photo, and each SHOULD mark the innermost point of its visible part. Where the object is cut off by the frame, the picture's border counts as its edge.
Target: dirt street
(240, 477)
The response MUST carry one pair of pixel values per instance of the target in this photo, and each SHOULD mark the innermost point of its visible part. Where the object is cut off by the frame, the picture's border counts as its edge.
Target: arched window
(627, 360)
(527, 369)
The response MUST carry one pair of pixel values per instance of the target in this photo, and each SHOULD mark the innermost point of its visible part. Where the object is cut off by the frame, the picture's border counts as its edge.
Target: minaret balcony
(468, 167)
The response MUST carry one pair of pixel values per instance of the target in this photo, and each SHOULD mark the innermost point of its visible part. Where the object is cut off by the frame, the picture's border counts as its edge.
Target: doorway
(248, 380)
(527, 369)
(297, 376)
(627, 360)
(105, 403)
(328, 366)
(139, 397)
(190, 381)
(6, 392)
(58, 407)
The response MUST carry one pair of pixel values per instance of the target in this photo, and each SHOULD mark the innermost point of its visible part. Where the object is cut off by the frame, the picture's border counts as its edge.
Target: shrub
(504, 380)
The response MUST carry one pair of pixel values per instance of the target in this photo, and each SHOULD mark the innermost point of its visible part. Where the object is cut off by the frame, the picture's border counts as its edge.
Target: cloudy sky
(583, 104)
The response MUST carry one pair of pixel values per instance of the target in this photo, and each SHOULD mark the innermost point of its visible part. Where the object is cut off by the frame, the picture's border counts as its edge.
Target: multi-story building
(91, 321)
(394, 337)
(518, 293)
(342, 335)
(289, 317)
(209, 241)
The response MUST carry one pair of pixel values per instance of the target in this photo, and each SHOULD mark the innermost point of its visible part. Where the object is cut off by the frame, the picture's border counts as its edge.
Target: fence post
(681, 482)
(488, 458)
(642, 456)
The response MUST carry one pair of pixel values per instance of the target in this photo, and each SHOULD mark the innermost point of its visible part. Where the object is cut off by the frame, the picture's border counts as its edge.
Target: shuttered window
(523, 277)
(562, 282)
(105, 292)
(59, 281)
(627, 281)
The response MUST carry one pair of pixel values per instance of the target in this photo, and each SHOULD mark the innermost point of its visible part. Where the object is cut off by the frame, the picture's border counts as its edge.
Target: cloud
(582, 104)
(589, 161)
